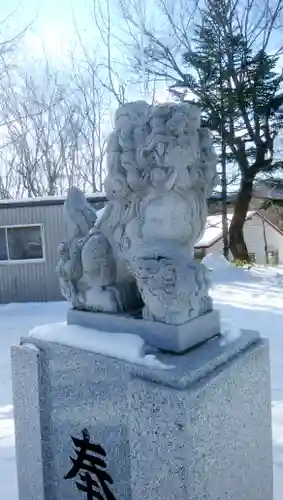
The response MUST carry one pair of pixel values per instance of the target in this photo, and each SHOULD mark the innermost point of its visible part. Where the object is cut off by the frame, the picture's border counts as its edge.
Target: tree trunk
(265, 242)
(237, 243)
(225, 226)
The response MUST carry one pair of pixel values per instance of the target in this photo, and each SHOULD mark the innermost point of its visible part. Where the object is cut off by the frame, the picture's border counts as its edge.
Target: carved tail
(81, 216)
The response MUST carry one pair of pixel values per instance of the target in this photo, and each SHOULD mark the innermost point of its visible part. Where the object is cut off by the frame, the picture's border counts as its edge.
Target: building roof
(46, 200)
(268, 189)
(213, 231)
(260, 192)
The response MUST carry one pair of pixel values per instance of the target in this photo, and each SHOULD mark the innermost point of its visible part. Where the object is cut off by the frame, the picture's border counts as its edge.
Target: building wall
(254, 238)
(253, 234)
(216, 248)
(34, 281)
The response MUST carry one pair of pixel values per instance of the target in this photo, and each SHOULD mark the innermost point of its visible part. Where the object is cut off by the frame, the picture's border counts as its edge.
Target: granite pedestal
(198, 427)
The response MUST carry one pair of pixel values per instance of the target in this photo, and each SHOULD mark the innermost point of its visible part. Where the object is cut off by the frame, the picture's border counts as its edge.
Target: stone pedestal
(173, 338)
(197, 428)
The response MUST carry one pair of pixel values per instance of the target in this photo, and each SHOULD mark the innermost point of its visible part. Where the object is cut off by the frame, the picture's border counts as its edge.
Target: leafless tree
(108, 69)
(36, 129)
(92, 121)
(55, 130)
(9, 47)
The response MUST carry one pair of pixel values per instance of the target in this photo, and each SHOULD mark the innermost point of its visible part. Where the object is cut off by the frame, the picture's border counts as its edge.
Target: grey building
(30, 232)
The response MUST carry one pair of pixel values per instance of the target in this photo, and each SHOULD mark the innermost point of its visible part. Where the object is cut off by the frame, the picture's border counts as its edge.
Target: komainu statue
(138, 253)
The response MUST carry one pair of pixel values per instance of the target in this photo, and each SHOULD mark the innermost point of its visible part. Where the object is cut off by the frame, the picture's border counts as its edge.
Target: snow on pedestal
(125, 346)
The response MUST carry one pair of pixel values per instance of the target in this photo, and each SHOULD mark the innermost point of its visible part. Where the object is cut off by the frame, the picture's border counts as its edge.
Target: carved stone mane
(161, 170)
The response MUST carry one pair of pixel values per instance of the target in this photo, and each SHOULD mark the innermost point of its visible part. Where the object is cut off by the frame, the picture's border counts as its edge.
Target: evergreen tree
(223, 61)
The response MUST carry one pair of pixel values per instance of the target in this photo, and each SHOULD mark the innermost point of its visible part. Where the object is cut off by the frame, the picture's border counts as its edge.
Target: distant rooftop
(213, 230)
(46, 200)
(262, 190)
(270, 189)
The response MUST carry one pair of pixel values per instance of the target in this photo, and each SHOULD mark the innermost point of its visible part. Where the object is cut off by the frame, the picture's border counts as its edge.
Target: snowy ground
(246, 299)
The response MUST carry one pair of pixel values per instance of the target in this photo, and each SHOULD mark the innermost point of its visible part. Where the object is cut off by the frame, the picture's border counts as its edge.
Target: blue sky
(53, 21)
(47, 10)
(54, 26)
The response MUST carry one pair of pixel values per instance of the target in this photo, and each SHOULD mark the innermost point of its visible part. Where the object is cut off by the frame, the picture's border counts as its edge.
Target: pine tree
(223, 63)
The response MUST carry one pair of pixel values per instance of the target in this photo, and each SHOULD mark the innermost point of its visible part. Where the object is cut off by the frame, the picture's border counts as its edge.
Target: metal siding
(33, 281)
(28, 282)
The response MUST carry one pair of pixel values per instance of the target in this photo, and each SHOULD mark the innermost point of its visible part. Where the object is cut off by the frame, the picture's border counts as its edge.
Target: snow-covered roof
(213, 230)
(46, 200)
(271, 189)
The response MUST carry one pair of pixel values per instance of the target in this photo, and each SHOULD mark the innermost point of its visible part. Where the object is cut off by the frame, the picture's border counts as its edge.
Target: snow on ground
(16, 320)
(249, 299)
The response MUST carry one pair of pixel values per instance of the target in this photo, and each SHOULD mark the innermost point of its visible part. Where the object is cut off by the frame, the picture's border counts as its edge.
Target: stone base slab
(200, 430)
(174, 338)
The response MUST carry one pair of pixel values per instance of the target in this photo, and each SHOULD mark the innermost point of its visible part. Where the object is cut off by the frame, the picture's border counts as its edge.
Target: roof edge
(251, 215)
(45, 202)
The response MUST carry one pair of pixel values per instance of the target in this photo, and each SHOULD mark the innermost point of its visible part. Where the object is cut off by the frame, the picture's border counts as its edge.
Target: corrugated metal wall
(34, 281)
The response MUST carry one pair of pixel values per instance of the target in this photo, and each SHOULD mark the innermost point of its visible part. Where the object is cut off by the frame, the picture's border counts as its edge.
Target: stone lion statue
(161, 168)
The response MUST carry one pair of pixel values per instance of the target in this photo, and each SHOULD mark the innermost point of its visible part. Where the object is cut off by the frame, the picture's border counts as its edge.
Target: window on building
(252, 258)
(21, 243)
(199, 254)
(273, 257)
(3, 244)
